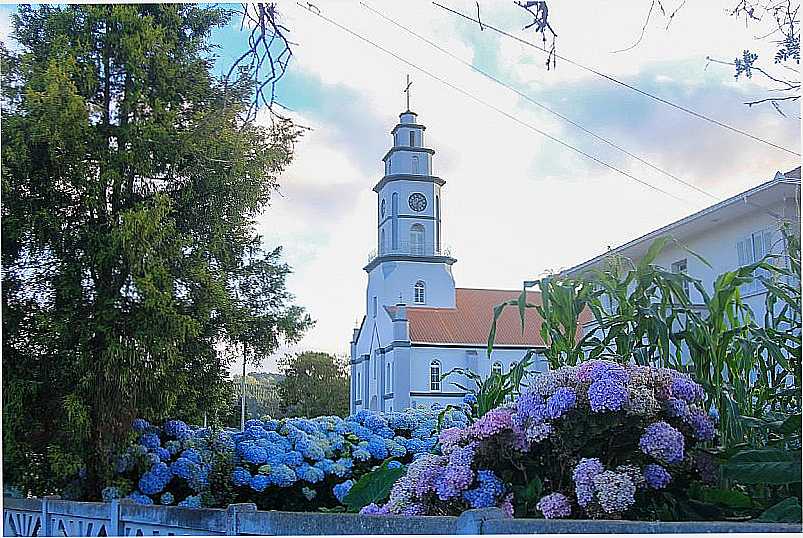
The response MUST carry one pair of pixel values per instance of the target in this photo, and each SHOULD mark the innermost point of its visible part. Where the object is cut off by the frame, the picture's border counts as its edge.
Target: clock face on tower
(417, 201)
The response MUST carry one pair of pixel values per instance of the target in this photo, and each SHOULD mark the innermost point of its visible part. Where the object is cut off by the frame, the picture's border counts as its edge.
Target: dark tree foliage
(131, 268)
(314, 384)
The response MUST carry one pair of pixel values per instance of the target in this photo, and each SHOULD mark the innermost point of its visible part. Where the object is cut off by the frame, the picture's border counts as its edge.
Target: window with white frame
(373, 306)
(412, 139)
(496, 368)
(752, 249)
(388, 378)
(415, 164)
(680, 267)
(420, 292)
(357, 388)
(435, 376)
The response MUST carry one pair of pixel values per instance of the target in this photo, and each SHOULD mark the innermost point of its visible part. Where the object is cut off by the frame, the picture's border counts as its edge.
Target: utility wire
(621, 83)
(536, 103)
(493, 107)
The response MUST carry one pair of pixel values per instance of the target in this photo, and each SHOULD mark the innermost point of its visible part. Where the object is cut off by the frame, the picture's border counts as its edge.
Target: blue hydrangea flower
(240, 476)
(662, 442)
(110, 493)
(140, 498)
(177, 429)
(283, 476)
(191, 455)
(255, 454)
(361, 454)
(163, 454)
(342, 489)
(293, 458)
(182, 467)
(259, 482)
(166, 498)
(583, 476)
(394, 465)
(676, 407)
(193, 501)
(470, 399)
(310, 474)
(656, 476)
(377, 448)
(140, 425)
(487, 493)
(150, 440)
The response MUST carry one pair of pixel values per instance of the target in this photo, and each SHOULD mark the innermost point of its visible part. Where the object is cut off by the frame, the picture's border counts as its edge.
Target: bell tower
(411, 264)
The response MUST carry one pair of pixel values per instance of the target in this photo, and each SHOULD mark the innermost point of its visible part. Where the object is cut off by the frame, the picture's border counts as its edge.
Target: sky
(516, 205)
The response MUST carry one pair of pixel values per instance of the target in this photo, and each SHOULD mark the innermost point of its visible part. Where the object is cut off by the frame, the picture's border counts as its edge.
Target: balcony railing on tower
(409, 248)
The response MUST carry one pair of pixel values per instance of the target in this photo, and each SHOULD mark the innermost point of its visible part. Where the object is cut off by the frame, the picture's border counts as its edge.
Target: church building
(417, 324)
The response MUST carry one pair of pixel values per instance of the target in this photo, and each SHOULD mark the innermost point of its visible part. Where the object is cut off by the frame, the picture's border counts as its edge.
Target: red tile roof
(470, 321)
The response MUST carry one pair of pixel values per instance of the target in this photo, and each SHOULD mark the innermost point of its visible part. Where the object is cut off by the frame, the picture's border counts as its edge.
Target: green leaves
(786, 511)
(764, 466)
(373, 487)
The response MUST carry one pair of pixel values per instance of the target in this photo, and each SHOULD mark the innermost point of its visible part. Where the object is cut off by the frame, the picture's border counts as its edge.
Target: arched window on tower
(412, 139)
(415, 164)
(388, 379)
(496, 369)
(437, 224)
(512, 366)
(394, 208)
(420, 292)
(417, 239)
(435, 376)
(381, 241)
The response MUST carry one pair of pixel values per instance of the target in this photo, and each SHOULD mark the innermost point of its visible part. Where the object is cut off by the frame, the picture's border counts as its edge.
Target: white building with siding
(729, 234)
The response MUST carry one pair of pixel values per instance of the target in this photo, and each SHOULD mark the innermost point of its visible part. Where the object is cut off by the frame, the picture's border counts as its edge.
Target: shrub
(288, 464)
(599, 440)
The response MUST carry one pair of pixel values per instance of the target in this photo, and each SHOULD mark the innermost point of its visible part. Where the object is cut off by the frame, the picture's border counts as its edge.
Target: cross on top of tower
(407, 91)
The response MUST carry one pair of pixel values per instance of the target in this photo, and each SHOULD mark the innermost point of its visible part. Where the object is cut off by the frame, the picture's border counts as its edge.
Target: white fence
(54, 517)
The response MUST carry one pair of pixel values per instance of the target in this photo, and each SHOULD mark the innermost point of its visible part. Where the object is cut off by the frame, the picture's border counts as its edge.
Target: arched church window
(412, 139)
(417, 239)
(388, 379)
(394, 226)
(435, 376)
(357, 391)
(512, 366)
(419, 292)
(496, 368)
(382, 208)
(415, 164)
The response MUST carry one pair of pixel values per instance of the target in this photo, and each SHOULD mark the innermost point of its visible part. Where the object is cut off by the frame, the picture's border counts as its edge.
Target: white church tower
(410, 264)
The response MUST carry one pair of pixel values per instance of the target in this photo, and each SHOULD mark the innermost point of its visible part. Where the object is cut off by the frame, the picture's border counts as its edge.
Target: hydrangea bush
(288, 464)
(599, 440)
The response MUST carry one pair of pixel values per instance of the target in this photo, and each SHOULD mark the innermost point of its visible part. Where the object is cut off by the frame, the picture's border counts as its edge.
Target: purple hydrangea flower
(676, 407)
(607, 395)
(615, 491)
(561, 401)
(597, 370)
(663, 442)
(555, 506)
(583, 476)
(686, 389)
(702, 426)
(656, 476)
(492, 423)
(374, 510)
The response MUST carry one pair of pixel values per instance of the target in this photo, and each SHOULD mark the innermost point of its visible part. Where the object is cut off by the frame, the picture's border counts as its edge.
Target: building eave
(407, 148)
(406, 258)
(733, 200)
(408, 177)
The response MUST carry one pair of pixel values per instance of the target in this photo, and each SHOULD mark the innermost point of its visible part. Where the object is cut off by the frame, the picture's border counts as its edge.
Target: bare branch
(541, 23)
(643, 30)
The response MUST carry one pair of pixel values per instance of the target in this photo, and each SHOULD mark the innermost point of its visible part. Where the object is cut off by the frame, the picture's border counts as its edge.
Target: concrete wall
(49, 517)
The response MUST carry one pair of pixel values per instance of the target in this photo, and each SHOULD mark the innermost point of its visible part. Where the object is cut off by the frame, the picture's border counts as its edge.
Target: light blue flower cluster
(488, 491)
(555, 506)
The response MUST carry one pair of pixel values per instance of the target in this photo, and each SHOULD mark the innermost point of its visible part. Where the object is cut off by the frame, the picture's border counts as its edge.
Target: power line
(621, 83)
(493, 107)
(536, 103)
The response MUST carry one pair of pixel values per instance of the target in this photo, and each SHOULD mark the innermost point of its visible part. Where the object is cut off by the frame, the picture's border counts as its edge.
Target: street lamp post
(242, 403)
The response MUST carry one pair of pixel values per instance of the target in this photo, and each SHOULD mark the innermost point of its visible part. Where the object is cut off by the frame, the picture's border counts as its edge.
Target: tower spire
(407, 91)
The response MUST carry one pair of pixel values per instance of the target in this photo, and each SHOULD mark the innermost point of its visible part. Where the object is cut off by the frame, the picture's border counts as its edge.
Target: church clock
(417, 201)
